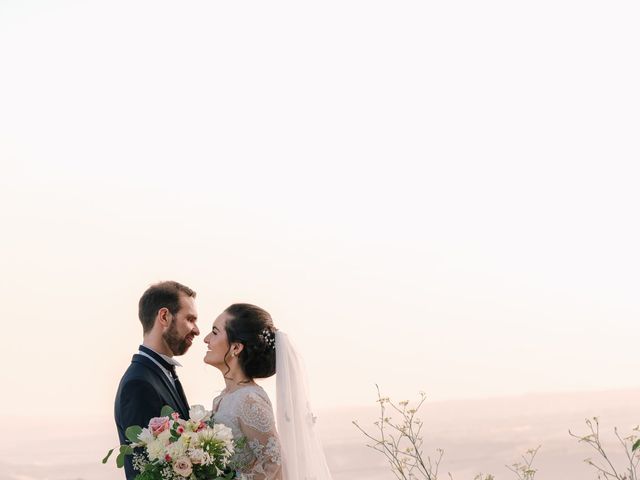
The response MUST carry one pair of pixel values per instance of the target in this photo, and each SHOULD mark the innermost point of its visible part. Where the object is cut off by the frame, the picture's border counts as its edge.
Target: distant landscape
(477, 436)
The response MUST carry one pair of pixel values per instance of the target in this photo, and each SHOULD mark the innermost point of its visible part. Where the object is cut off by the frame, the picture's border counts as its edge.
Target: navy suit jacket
(143, 391)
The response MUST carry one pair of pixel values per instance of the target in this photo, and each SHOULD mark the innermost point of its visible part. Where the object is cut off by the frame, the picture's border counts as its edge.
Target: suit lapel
(183, 409)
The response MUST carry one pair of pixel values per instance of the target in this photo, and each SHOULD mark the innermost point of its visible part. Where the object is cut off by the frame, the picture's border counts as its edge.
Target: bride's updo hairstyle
(253, 327)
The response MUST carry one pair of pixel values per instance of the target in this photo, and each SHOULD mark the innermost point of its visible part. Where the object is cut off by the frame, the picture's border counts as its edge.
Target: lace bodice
(249, 414)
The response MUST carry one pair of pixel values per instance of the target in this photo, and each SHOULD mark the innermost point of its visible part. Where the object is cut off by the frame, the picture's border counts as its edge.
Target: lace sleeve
(258, 426)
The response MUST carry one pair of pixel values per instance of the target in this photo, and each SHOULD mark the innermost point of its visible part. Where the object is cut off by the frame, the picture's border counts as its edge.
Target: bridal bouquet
(172, 448)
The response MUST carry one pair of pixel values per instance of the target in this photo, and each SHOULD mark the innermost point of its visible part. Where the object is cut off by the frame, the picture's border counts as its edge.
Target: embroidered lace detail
(273, 450)
(249, 414)
(266, 453)
(256, 414)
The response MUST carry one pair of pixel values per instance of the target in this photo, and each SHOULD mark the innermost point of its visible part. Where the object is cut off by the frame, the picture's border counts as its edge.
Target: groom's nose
(196, 330)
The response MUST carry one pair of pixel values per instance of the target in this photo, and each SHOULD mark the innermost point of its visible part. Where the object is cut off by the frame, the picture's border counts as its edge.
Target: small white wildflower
(139, 461)
(208, 459)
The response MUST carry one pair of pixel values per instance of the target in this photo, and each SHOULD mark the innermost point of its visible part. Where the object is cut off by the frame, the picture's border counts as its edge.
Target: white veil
(303, 457)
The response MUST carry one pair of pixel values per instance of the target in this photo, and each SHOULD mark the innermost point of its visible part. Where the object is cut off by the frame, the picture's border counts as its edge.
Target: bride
(245, 345)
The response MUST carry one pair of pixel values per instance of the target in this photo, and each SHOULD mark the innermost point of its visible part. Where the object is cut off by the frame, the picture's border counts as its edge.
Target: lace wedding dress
(294, 451)
(249, 414)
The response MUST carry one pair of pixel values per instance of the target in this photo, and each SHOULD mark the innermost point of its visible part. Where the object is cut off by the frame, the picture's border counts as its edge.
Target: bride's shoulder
(254, 399)
(254, 393)
(216, 402)
(255, 409)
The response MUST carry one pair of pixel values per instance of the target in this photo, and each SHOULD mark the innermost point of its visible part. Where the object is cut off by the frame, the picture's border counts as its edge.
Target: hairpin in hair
(268, 337)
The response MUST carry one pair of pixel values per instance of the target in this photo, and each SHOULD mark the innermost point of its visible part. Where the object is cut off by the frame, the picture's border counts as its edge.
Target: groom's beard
(177, 345)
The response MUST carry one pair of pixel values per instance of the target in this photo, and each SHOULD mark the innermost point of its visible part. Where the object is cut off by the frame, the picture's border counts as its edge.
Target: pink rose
(180, 429)
(175, 416)
(167, 458)
(157, 425)
(183, 467)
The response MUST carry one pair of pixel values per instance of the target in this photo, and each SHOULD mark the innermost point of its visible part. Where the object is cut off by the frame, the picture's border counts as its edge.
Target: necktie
(178, 385)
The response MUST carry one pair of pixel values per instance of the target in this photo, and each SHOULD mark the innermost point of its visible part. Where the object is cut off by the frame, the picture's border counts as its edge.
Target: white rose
(182, 466)
(223, 432)
(146, 436)
(197, 413)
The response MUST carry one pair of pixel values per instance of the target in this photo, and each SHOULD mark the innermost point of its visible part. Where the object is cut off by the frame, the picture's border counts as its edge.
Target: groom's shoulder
(141, 368)
(140, 365)
(139, 375)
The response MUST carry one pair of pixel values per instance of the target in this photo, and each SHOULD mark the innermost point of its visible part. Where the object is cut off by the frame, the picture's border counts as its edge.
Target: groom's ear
(162, 317)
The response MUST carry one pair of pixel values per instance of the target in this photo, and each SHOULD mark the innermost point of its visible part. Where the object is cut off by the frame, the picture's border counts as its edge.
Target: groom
(168, 315)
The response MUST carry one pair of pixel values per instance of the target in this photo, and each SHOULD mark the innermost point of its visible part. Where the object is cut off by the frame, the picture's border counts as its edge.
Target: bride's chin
(209, 362)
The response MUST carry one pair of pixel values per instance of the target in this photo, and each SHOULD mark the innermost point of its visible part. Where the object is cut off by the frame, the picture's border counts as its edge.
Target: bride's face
(217, 343)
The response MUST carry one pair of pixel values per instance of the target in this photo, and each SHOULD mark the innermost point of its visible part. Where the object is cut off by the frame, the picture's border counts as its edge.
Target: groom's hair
(161, 295)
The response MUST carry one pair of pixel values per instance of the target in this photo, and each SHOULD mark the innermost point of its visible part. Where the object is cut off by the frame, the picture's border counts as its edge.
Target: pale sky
(436, 196)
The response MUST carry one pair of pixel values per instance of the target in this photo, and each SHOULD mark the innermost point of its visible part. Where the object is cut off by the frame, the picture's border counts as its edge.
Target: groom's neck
(158, 345)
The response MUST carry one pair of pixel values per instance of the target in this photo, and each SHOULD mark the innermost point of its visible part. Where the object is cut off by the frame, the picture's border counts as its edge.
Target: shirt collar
(170, 360)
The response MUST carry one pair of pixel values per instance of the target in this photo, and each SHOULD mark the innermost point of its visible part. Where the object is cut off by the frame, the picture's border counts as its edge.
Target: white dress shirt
(169, 360)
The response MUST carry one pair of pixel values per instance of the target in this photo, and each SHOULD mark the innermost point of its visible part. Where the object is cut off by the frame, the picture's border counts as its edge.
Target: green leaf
(635, 445)
(132, 433)
(120, 460)
(126, 450)
(105, 459)
(166, 411)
